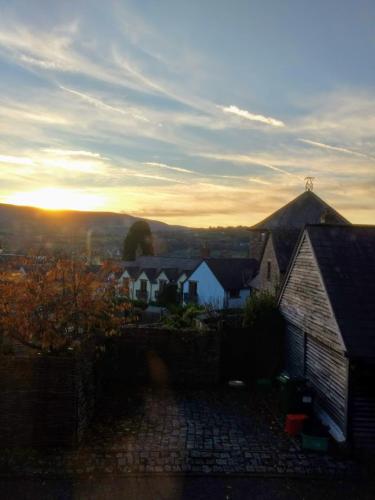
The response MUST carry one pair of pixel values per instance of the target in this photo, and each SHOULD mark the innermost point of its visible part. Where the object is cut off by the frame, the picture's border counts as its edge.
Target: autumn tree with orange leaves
(55, 305)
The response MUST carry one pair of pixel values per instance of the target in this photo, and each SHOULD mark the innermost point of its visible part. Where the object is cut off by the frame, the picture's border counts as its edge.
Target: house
(275, 259)
(145, 277)
(272, 240)
(222, 283)
(328, 302)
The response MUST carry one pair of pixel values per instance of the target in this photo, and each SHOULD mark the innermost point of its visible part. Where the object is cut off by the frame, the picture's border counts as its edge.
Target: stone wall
(46, 400)
(163, 357)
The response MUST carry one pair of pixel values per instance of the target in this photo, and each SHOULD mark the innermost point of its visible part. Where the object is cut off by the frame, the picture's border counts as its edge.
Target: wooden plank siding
(313, 341)
(327, 373)
(362, 406)
(294, 350)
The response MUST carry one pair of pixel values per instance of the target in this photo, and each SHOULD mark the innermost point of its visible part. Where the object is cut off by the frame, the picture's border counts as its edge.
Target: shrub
(168, 296)
(265, 340)
(182, 317)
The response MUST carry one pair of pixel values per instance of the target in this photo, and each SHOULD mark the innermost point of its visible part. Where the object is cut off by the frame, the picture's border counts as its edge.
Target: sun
(57, 199)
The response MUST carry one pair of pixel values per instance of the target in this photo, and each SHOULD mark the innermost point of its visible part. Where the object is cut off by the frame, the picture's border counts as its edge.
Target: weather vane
(309, 186)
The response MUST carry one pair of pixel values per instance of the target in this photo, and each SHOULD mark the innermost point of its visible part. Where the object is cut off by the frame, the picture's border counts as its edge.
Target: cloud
(244, 159)
(335, 148)
(16, 160)
(251, 116)
(104, 106)
(133, 173)
(67, 152)
(242, 178)
(169, 167)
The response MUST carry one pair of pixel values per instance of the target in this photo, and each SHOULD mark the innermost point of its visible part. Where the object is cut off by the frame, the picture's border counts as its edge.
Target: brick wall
(165, 357)
(46, 400)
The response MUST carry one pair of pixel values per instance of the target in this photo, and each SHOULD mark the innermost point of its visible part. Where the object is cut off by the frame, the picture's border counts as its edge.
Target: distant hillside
(25, 228)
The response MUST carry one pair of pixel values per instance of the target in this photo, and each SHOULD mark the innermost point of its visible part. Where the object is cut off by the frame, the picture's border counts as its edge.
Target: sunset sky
(191, 112)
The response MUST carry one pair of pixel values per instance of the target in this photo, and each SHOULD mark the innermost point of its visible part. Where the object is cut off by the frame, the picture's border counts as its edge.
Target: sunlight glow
(57, 199)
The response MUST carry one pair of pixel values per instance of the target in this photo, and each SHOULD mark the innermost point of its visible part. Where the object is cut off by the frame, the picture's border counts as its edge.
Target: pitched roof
(307, 208)
(150, 272)
(153, 261)
(132, 271)
(346, 258)
(233, 274)
(153, 266)
(284, 241)
(172, 274)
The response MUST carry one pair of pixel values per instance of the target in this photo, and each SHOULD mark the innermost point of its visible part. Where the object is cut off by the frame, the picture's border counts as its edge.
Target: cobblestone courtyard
(225, 431)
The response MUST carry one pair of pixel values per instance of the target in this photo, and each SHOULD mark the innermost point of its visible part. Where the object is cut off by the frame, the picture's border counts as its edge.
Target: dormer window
(143, 286)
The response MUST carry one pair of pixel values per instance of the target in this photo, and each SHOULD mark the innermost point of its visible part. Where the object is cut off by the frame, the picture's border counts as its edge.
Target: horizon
(189, 114)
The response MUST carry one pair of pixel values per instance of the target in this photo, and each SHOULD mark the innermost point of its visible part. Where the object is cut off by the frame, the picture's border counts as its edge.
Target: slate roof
(133, 272)
(284, 241)
(172, 274)
(152, 261)
(307, 208)
(232, 273)
(346, 258)
(150, 272)
(153, 266)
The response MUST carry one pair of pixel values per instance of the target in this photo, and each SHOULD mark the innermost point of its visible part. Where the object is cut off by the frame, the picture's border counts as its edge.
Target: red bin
(294, 424)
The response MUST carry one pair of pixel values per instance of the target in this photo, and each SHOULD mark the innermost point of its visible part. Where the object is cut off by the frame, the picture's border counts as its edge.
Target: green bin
(315, 443)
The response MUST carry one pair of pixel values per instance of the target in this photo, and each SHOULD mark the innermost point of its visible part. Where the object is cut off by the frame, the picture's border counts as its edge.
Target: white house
(222, 283)
(144, 285)
(145, 277)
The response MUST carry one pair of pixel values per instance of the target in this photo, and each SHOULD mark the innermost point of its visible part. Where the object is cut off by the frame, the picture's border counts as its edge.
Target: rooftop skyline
(193, 113)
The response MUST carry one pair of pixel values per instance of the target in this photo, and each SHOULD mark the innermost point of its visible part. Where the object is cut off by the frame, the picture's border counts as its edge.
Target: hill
(24, 229)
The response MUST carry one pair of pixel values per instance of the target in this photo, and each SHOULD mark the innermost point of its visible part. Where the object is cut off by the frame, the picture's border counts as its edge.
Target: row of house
(227, 283)
(144, 278)
(221, 283)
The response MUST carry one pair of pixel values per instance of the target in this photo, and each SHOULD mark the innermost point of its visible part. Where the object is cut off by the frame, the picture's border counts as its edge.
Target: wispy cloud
(243, 113)
(169, 167)
(16, 160)
(133, 173)
(102, 105)
(68, 152)
(243, 178)
(244, 160)
(336, 148)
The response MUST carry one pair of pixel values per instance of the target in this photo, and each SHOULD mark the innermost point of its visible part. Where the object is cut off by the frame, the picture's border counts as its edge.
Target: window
(144, 286)
(268, 270)
(193, 288)
(234, 294)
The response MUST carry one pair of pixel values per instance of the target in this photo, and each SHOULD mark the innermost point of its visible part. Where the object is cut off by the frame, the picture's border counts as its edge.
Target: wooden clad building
(328, 301)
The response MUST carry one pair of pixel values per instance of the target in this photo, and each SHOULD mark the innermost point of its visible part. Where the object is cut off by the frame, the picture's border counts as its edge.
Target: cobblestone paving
(224, 432)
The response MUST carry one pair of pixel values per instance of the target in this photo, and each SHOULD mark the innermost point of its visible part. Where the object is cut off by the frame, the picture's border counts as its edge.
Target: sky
(199, 113)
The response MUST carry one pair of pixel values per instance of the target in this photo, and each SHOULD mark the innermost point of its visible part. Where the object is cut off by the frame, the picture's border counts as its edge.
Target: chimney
(205, 251)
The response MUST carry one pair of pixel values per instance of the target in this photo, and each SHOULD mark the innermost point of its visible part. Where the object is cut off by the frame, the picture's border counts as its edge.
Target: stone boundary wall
(143, 355)
(46, 400)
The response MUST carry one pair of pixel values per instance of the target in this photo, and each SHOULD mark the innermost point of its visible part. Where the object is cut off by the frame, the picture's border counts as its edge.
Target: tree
(138, 241)
(168, 296)
(58, 304)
